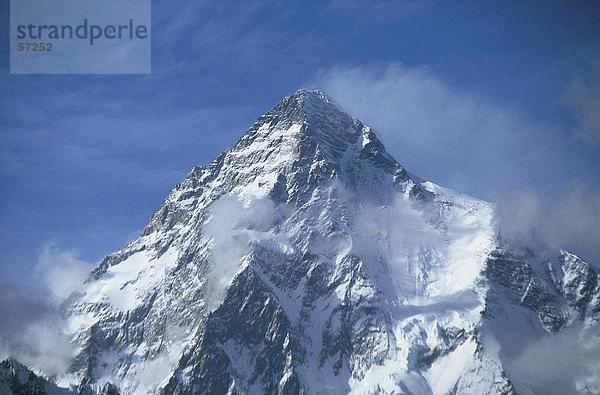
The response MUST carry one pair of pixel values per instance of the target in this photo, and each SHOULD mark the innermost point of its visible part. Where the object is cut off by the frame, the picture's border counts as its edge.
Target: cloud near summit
(468, 142)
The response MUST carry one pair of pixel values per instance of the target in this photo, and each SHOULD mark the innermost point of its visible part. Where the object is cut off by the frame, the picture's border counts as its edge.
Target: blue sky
(500, 101)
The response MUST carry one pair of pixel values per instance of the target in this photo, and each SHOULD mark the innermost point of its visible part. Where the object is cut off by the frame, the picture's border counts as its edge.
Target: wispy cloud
(33, 330)
(466, 141)
(583, 97)
(231, 227)
(442, 132)
(61, 271)
(570, 222)
(564, 363)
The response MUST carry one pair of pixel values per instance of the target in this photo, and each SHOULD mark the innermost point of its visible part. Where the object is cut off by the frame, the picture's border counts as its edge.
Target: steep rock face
(307, 260)
(559, 288)
(16, 379)
(541, 295)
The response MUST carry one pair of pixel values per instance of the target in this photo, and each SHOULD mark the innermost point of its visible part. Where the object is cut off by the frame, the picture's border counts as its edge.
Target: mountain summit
(307, 260)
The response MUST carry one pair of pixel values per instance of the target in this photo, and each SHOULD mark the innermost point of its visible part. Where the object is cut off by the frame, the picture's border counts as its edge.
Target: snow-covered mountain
(307, 260)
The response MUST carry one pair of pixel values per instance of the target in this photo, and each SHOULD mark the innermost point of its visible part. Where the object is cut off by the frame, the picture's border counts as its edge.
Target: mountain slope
(307, 260)
(16, 379)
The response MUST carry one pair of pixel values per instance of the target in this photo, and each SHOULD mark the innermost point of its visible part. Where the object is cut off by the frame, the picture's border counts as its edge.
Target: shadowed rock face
(16, 379)
(308, 260)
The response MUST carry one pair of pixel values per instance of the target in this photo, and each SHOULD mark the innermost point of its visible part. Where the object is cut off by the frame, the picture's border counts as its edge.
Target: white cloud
(455, 137)
(583, 97)
(518, 216)
(466, 141)
(61, 271)
(571, 221)
(32, 329)
(564, 363)
(232, 226)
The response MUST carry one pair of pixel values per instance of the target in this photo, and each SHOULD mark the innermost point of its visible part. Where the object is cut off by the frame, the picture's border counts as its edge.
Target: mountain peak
(306, 133)
(311, 94)
(305, 106)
